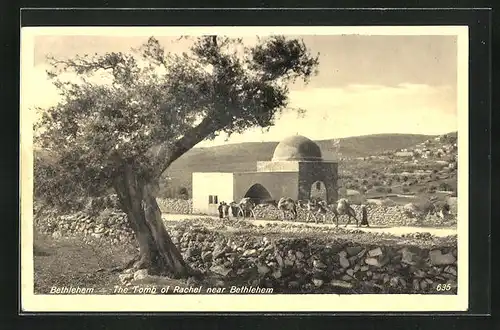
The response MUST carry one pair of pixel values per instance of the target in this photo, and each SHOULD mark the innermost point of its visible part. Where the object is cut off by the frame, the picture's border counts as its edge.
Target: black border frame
(480, 25)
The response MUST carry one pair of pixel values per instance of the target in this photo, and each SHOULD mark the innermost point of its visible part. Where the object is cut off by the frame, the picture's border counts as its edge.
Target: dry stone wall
(177, 206)
(109, 224)
(378, 215)
(304, 264)
(314, 265)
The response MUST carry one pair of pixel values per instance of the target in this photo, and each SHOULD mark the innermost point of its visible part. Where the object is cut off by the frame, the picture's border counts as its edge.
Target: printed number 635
(443, 287)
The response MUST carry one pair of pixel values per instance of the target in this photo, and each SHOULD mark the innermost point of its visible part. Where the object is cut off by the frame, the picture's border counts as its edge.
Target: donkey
(245, 205)
(287, 204)
(315, 207)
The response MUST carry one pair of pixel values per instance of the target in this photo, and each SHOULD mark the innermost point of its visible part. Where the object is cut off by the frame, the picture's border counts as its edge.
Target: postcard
(244, 169)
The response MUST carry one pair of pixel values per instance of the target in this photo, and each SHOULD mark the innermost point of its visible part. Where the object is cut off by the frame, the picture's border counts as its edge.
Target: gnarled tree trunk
(157, 252)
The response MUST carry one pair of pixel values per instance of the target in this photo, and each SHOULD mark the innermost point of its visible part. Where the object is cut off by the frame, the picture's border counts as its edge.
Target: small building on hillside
(296, 170)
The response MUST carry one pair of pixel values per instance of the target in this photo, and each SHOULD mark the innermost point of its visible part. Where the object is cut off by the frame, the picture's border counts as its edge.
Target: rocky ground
(291, 259)
(287, 257)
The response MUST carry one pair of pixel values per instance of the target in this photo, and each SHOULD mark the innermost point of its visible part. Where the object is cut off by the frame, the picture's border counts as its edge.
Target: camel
(343, 207)
(285, 204)
(245, 205)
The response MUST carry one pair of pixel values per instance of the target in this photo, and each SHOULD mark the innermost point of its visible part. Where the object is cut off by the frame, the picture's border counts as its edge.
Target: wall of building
(278, 166)
(214, 184)
(310, 172)
(279, 184)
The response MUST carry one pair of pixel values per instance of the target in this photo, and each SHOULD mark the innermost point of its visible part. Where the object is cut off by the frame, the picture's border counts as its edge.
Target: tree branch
(168, 153)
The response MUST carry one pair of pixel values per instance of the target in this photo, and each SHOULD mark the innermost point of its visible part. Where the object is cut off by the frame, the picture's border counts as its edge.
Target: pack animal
(245, 206)
(285, 205)
(343, 207)
(316, 208)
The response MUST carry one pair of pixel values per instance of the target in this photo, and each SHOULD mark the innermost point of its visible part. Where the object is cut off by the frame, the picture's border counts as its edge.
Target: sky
(365, 85)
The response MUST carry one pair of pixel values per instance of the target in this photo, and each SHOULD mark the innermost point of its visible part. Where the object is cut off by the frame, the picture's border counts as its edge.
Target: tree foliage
(147, 107)
(127, 117)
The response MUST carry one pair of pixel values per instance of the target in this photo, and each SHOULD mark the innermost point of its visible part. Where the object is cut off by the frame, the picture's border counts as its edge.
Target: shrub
(445, 186)
(183, 193)
(386, 190)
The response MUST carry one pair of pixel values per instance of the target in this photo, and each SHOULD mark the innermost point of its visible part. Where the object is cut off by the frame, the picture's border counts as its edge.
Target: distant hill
(243, 156)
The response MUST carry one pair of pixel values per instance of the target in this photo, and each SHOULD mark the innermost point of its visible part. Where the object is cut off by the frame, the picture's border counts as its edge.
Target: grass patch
(72, 262)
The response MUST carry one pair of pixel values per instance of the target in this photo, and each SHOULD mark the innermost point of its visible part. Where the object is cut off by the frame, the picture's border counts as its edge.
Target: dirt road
(376, 229)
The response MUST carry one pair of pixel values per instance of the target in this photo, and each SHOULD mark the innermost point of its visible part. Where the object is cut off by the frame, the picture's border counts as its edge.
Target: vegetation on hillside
(242, 157)
(367, 162)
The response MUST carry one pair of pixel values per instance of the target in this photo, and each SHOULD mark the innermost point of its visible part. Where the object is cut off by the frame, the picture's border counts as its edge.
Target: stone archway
(258, 193)
(318, 191)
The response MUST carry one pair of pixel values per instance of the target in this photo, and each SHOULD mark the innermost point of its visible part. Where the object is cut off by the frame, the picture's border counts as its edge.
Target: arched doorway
(318, 190)
(258, 193)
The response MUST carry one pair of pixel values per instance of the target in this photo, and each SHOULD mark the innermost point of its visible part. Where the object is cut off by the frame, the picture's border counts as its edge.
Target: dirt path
(440, 232)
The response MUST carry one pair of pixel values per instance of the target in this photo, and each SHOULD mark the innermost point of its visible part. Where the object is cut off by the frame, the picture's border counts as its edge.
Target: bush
(445, 186)
(183, 193)
(386, 190)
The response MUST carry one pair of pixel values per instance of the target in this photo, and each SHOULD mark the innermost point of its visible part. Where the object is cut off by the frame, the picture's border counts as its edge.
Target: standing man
(364, 215)
(225, 208)
(221, 211)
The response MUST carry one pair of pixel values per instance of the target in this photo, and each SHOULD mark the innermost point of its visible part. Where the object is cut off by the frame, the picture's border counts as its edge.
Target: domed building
(297, 148)
(296, 170)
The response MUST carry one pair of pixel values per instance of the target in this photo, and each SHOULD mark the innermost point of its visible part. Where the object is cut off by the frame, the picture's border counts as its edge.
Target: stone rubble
(316, 261)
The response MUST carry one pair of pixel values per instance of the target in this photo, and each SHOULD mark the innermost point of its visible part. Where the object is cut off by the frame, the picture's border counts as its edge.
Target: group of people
(224, 210)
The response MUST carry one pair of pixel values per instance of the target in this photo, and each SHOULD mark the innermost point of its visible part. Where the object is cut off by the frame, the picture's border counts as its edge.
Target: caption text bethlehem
(190, 290)
(166, 289)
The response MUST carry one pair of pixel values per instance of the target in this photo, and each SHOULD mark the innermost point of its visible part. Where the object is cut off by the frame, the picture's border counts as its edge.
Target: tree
(152, 108)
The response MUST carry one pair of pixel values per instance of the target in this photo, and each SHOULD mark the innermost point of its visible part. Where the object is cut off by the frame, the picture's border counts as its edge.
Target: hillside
(353, 168)
(422, 170)
(243, 156)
